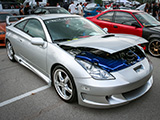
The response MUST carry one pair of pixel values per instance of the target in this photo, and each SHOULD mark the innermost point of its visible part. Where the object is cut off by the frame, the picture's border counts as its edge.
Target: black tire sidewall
(74, 95)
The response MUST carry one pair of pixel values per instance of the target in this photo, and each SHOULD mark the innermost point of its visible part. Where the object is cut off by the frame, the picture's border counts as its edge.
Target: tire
(64, 84)
(10, 51)
(154, 47)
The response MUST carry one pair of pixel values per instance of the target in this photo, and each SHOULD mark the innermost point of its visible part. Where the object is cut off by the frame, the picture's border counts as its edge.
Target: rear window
(10, 5)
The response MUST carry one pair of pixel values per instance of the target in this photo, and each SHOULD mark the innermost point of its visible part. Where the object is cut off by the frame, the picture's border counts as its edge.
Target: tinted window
(45, 11)
(21, 25)
(38, 11)
(146, 19)
(10, 5)
(124, 18)
(34, 28)
(107, 16)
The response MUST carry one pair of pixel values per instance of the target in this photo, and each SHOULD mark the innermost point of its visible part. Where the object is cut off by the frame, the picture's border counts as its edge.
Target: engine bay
(109, 62)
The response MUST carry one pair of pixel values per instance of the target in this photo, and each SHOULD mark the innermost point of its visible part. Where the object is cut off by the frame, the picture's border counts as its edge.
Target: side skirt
(26, 64)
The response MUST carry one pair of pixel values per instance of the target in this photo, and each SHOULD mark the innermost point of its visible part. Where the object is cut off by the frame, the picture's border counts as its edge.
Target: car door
(34, 54)
(105, 21)
(123, 23)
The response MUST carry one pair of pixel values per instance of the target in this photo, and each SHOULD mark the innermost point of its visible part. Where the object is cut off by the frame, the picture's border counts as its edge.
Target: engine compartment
(109, 62)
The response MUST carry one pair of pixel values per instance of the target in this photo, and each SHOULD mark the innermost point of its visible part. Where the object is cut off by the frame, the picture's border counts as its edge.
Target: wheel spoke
(64, 92)
(66, 79)
(58, 84)
(68, 89)
(60, 77)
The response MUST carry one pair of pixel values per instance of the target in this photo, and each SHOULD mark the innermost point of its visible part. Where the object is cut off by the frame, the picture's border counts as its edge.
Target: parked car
(10, 7)
(92, 11)
(80, 60)
(132, 22)
(50, 10)
(3, 16)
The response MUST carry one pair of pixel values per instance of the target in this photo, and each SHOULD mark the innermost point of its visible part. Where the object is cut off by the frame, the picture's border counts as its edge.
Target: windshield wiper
(62, 40)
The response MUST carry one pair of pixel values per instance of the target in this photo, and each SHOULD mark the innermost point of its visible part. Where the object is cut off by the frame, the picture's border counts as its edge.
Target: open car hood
(110, 43)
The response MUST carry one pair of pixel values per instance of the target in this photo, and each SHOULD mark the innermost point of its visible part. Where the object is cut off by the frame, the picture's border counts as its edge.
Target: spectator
(159, 11)
(47, 4)
(72, 8)
(21, 12)
(80, 9)
(58, 5)
(65, 6)
(155, 10)
(26, 9)
(146, 9)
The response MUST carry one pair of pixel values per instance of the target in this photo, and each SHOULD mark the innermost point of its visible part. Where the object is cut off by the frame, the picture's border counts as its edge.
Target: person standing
(72, 8)
(80, 9)
(146, 9)
(26, 9)
(155, 10)
(21, 12)
(58, 5)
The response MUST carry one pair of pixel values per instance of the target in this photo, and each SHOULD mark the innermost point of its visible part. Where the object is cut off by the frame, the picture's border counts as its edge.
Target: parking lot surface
(25, 96)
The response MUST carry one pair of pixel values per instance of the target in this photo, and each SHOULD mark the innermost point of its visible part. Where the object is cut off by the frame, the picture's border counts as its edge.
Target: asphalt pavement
(25, 96)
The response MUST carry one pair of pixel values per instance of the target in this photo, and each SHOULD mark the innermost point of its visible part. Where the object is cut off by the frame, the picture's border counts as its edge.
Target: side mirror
(37, 41)
(105, 30)
(135, 24)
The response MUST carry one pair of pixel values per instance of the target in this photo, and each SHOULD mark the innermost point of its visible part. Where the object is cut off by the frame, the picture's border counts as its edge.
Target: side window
(45, 11)
(107, 16)
(37, 11)
(124, 18)
(34, 28)
(21, 25)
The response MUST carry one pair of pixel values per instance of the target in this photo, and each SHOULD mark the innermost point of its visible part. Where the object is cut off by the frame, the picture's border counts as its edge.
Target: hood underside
(110, 43)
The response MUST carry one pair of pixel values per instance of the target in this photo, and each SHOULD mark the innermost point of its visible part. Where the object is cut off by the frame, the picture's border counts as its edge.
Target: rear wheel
(154, 47)
(10, 51)
(64, 84)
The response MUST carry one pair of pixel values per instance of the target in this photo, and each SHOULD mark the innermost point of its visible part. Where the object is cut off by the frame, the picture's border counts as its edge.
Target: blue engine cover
(108, 64)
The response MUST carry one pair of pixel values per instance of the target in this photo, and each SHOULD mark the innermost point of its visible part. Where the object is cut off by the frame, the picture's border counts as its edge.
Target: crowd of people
(72, 8)
(154, 9)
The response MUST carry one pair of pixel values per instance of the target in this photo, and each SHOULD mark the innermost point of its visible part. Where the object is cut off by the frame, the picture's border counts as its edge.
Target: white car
(82, 62)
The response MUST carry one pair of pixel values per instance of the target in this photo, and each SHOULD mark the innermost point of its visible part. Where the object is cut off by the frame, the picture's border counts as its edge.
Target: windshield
(146, 19)
(63, 29)
(3, 17)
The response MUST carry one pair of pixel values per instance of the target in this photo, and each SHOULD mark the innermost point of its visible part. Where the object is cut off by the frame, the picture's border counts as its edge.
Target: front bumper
(2, 40)
(112, 93)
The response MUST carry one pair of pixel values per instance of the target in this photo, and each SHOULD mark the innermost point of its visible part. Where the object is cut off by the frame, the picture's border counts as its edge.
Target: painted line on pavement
(24, 95)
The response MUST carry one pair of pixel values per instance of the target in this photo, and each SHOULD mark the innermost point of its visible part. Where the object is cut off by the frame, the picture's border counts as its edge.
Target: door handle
(115, 26)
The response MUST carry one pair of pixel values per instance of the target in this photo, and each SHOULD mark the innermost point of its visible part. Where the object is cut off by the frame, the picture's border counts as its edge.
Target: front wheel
(64, 84)
(154, 47)
(10, 51)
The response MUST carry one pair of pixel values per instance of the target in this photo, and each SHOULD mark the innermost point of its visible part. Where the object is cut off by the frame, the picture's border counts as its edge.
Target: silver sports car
(80, 60)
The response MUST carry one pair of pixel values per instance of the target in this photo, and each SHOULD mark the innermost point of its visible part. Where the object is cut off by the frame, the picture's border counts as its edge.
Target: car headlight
(2, 32)
(95, 71)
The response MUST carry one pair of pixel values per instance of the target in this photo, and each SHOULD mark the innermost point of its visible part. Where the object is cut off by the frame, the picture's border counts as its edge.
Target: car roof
(129, 11)
(51, 16)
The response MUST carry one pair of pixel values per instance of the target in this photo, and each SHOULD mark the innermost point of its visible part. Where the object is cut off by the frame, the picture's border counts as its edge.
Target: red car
(131, 22)
(3, 16)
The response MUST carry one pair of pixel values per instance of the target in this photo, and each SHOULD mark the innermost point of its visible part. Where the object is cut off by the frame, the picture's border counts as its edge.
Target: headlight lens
(95, 71)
